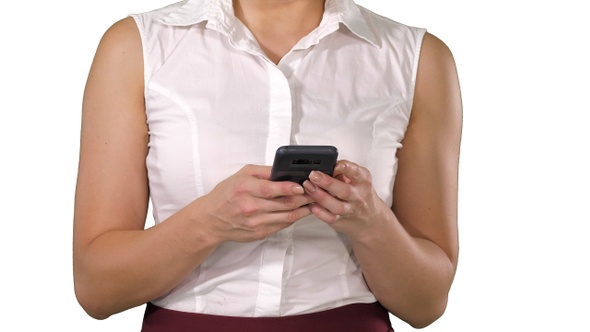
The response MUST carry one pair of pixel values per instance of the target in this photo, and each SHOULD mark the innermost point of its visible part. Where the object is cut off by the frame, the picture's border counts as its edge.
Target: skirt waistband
(350, 318)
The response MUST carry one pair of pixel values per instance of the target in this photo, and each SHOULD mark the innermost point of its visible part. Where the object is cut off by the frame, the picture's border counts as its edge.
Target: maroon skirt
(351, 318)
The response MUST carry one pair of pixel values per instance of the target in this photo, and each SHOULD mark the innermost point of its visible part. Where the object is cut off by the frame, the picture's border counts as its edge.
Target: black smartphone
(295, 162)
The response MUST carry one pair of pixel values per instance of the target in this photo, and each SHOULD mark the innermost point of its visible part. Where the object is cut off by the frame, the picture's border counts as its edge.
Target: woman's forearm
(121, 269)
(410, 276)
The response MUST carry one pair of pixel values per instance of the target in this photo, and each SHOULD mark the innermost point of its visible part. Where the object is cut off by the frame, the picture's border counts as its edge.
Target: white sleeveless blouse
(215, 102)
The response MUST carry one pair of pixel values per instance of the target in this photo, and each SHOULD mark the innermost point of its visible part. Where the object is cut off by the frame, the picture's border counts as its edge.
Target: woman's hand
(347, 201)
(248, 207)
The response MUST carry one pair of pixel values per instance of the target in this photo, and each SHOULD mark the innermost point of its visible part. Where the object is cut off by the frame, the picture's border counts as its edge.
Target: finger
(285, 188)
(327, 200)
(257, 171)
(323, 214)
(332, 185)
(294, 215)
(352, 171)
(265, 225)
(284, 217)
(251, 207)
(286, 203)
(265, 189)
(270, 190)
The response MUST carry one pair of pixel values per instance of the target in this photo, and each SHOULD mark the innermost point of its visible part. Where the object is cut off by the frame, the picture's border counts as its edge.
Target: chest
(213, 107)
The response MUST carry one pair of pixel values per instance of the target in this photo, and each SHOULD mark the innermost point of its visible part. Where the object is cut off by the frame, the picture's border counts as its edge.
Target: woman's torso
(214, 103)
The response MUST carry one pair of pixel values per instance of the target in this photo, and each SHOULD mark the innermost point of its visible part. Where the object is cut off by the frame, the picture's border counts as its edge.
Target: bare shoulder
(120, 47)
(117, 68)
(437, 80)
(437, 106)
(436, 55)
(123, 34)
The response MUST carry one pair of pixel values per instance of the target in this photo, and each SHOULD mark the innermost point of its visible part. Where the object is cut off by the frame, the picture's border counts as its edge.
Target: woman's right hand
(248, 207)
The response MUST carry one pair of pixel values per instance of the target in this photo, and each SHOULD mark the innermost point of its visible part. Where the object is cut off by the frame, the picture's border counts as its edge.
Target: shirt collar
(219, 15)
(349, 14)
(190, 12)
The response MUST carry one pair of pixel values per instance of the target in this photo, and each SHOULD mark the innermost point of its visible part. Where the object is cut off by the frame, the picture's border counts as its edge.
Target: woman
(186, 105)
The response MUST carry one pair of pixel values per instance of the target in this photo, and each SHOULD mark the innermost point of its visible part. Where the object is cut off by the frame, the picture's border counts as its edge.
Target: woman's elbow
(427, 314)
(89, 300)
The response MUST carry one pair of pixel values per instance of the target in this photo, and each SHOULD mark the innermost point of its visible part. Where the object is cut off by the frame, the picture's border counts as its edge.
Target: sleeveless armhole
(142, 35)
(418, 39)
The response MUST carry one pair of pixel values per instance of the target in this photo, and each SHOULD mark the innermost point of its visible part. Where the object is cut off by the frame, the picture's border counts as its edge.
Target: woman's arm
(118, 264)
(408, 253)
(112, 253)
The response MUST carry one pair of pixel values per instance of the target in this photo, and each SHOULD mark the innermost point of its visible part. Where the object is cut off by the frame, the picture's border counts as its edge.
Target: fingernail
(314, 176)
(297, 190)
(310, 187)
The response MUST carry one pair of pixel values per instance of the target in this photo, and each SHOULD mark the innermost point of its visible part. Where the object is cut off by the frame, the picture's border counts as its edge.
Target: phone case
(295, 162)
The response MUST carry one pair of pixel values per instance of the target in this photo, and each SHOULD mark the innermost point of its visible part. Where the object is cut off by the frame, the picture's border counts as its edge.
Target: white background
(524, 179)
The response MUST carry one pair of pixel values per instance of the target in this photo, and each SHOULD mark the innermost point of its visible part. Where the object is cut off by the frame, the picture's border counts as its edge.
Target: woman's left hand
(347, 201)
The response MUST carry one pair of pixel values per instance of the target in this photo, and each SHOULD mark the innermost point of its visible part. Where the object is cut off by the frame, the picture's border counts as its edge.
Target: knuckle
(246, 168)
(357, 171)
(349, 191)
(239, 187)
(251, 225)
(259, 233)
(367, 175)
(346, 193)
(341, 210)
(290, 203)
(265, 191)
(347, 210)
(295, 215)
(332, 219)
(248, 210)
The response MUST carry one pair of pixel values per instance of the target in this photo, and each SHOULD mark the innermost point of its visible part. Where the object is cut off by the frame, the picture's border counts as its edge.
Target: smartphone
(295, 162)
